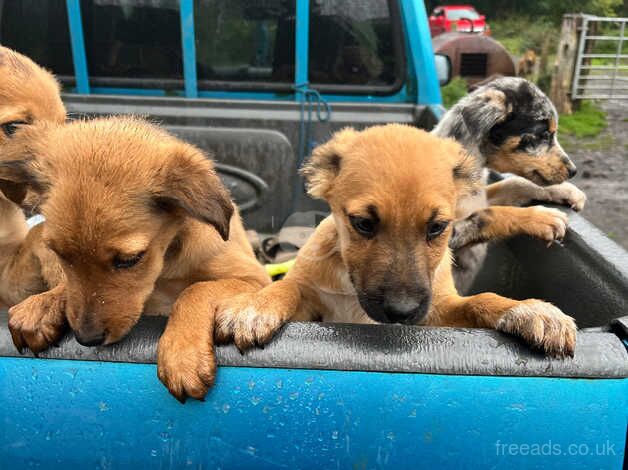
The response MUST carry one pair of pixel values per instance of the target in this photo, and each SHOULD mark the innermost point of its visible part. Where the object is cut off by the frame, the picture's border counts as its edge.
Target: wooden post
(562, 75)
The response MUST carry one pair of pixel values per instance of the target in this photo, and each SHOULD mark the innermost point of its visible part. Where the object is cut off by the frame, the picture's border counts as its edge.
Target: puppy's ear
(467, 173)
(189, 183)
(325, 163)
(483, 109)
(19, 176)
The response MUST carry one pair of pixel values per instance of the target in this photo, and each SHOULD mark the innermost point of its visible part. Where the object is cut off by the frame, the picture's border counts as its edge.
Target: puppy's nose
(406, 311)
(91, 338)
(572, 171)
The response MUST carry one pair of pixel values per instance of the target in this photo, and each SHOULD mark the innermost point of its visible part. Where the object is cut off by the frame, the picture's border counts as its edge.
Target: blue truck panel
(57, 413)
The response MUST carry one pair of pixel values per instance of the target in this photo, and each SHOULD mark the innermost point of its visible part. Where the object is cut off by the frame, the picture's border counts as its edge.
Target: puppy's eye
(9, 128)
(527, 140)
(435, 229)
(363, 225)
(120, 262)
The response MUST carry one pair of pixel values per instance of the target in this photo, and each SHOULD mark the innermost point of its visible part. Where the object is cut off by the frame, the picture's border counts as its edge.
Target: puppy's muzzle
(572, 170)
(91, 338)
(395, 308)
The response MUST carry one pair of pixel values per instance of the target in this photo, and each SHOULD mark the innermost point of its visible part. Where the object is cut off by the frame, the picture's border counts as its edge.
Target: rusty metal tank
(474, 57)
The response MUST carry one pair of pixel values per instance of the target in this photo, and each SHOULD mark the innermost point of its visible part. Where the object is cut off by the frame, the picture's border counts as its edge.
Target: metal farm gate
(601, 65)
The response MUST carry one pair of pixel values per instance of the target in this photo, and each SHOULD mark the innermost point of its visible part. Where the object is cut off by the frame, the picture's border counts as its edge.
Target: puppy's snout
(90, 338)
(572, 170)
(407, 310)
(396, 307)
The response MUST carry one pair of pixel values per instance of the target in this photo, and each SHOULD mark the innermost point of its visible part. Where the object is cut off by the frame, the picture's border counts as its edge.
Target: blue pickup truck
(257, 83)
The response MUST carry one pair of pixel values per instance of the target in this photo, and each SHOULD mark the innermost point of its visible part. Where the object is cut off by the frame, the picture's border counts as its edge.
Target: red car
(463, 18)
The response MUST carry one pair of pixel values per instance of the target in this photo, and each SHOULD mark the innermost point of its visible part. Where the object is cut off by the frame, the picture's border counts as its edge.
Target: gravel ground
(603, 172)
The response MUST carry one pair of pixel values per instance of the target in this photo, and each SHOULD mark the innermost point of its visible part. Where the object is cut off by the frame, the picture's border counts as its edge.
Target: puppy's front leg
(251, 319)
(539, 323)
(39, 321)
(498, 222)
(186, 363)
(518, 191)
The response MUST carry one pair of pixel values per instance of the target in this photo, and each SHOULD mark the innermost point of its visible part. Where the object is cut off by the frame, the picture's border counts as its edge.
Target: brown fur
(407, 176)
(497, 222)
(118, 191)
(29, 95)
(527, 64)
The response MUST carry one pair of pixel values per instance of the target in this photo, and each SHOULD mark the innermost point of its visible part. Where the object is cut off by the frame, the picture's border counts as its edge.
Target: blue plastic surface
(186, 11)
(79, 58)
(420, 52)
(302, 38)
(57, 413)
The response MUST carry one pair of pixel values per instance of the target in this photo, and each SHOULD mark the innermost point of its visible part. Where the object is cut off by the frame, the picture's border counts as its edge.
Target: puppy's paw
(542, 325)
(186, 364)
(249, 319)
(567, 194)
(38, 322)
(546, 224)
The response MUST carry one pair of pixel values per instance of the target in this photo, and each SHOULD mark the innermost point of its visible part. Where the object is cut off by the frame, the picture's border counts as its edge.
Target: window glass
(462, 14)
(40, 31)
(353, 42)
(130, 39)
(244, 40)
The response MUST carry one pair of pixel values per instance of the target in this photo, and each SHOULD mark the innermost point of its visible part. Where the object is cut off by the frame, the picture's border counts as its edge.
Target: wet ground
(603, 172)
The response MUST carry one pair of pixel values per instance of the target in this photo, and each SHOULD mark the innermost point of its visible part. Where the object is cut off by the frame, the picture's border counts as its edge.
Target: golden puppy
(383, 256)
(134, 216)
(527, 63)
(28, 95)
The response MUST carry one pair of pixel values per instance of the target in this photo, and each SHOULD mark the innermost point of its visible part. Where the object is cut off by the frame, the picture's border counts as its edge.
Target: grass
(588, 121)
(519, 33)
(453, 91)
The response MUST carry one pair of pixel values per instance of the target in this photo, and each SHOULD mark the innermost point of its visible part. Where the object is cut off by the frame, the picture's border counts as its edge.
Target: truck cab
(256, 84)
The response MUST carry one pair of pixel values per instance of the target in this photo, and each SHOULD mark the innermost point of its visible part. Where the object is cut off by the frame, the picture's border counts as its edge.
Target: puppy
(28, 95)
(134, 217)
(527, 64)
(382, 256)
(509, 126)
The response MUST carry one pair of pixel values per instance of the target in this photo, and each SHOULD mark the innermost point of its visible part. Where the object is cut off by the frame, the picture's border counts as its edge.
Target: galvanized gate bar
(612, 84)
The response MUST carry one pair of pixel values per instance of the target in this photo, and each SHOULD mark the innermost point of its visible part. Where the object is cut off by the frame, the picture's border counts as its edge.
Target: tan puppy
(134, 216)
(527, 63)
(28, 95)
(383, 256)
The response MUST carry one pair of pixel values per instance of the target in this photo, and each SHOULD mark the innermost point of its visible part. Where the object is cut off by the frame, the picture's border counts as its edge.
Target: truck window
(40, 31)
(127, 40)
(245, 42)
(355, 45)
